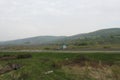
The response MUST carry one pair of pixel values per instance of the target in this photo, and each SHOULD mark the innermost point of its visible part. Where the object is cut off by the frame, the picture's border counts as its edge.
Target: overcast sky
(27, 18)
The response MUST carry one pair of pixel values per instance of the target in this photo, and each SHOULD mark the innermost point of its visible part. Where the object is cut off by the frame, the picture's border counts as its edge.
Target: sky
(28, 18)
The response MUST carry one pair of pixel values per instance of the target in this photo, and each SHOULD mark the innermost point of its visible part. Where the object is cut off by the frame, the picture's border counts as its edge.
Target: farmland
(59, 66)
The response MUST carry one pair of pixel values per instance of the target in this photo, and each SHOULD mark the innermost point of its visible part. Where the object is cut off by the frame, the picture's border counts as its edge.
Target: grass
(41, 62)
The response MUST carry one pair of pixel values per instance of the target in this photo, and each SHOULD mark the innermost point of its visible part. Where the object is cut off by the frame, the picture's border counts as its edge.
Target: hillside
(104, 36)
(33, 40)
(100, 33)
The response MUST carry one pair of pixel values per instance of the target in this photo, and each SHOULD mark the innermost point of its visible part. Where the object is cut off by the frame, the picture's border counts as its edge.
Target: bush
(46, 48)
(22, 56)
(106, 47)
(82, 44)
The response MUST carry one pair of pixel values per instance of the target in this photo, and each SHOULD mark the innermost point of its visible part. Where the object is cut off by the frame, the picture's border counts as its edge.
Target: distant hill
(33, 40)
(104, 36)
(100, 33)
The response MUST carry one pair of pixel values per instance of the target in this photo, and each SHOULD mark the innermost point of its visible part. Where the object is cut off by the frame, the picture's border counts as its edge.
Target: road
(60, 51)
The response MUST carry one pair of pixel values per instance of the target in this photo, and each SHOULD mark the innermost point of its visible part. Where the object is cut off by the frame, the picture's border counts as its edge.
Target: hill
(33, 40)
(100, 37)
(104, 36)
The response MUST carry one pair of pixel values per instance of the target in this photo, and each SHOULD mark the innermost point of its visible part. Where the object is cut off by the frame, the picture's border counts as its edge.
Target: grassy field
(59, 66)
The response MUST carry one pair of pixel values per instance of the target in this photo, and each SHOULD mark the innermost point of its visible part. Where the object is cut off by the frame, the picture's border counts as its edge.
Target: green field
(61, 66)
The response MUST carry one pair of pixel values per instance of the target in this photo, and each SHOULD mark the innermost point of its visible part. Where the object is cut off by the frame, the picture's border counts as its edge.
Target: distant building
(64, 46)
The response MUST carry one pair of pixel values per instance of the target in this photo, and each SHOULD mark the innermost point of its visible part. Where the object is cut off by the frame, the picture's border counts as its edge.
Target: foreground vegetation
(59, 66)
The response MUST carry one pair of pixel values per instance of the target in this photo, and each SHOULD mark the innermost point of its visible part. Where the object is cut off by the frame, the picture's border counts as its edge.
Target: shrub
(22, 56)
(106, 47)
